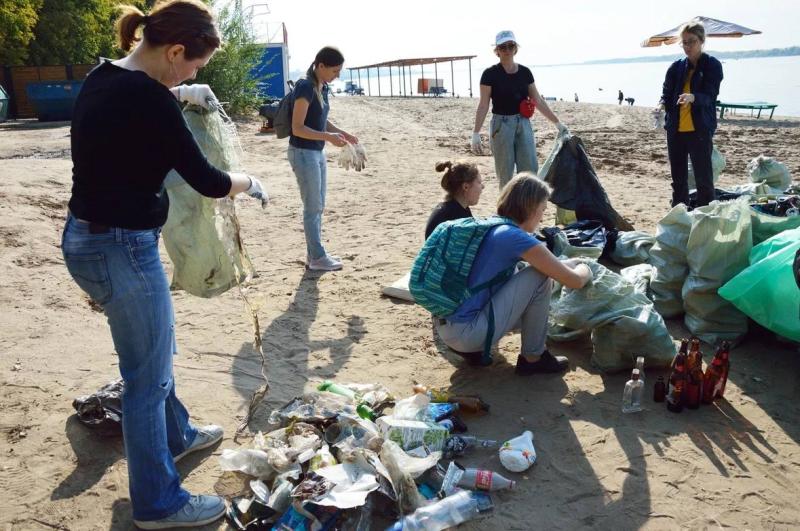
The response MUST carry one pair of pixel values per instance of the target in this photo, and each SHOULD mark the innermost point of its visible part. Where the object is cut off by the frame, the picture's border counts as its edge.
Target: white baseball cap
(503, 37)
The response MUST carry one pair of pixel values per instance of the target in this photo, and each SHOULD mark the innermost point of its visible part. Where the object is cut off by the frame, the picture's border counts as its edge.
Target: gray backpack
(283, 118)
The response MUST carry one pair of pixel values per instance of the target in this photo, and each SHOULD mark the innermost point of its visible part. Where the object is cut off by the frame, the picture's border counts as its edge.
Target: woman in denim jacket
(688, 98)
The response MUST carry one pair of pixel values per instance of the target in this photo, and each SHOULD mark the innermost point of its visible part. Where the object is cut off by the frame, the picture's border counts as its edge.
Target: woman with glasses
(688, 99)
(510, 86)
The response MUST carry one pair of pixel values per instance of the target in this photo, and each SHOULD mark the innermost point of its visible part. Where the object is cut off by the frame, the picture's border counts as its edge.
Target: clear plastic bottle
(640, 366)
(632, 396)
(447, 512)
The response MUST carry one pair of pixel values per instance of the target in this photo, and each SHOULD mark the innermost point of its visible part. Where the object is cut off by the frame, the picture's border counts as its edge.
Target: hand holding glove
(475, 144)
(198, 94)
(256, 189)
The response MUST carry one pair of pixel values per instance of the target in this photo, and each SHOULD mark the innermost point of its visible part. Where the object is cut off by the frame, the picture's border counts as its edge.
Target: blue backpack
(439, 276)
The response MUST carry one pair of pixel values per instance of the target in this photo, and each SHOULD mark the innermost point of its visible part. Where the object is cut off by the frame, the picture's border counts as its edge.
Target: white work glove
(562, 129)
(256, 189)
(361, 158)
(657, 118)
(198, 94)
(475, 145)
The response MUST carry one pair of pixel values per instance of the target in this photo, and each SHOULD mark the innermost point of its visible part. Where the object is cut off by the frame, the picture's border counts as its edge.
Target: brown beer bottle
(659, 390)
(719, 389)
(677, 384)
(694, 376)
(712, 376)
(684, 349)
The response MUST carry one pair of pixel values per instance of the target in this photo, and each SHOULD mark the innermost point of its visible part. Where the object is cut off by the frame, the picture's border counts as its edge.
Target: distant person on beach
(310, 130)
(688, 99)
(127, 133)
(508, 84)
(523, 300)
(620, 97)
(576, 97)
(463, 185)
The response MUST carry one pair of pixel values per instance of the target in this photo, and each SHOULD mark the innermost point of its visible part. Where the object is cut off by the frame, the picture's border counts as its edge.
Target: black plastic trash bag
(102, 411)
(576, 185)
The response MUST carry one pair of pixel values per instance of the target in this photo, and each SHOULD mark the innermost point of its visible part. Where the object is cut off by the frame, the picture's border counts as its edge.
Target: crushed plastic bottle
(448, 512)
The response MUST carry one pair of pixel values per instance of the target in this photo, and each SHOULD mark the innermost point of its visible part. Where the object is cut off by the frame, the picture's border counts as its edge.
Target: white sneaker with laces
(206, 436)
(337, 258)
(199, 510)
(325, 263)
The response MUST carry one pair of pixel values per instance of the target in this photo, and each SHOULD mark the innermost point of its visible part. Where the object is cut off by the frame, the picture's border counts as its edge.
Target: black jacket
(705, 87)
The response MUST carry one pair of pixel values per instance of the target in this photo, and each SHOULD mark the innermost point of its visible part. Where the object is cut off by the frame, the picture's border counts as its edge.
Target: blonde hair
(695, 28)
(186, 22)
(455, 176)
(521, 196)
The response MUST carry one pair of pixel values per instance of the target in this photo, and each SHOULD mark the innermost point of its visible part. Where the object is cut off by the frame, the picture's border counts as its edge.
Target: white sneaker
(206, 436)
(333, 256)
(326, 263)
(199, 510)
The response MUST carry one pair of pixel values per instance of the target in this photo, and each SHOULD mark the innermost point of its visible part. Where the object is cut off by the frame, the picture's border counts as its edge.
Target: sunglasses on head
(507, 46)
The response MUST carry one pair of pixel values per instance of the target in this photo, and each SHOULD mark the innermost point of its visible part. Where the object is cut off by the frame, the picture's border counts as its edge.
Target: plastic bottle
(472, 404)
(474, 478)
(632, 395)
(440, 410)
(332, 387)
(719, 389)
(366, 412)
(640, 366)
(453, 424)
(447, 512)
(659, 390)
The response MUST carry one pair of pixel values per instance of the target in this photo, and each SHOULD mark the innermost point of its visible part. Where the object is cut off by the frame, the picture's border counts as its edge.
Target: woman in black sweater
(128, 132)
(463, 186)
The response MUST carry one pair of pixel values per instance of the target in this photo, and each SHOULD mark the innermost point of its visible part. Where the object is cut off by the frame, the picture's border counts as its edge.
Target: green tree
(17, 20)
(73, 31)
(228, 72)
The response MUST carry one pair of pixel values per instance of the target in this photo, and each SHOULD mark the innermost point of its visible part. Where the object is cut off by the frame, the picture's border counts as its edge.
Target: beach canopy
(714, 28)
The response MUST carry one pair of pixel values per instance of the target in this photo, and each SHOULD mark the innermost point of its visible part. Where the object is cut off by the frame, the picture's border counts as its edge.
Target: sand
(733, 464)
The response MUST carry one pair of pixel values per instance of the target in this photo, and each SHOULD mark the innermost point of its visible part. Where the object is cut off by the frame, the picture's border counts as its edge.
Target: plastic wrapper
(102, 410)
(518, 454)
(408, 497)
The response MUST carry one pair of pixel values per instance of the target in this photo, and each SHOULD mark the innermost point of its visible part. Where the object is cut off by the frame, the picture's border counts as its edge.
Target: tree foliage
(229, 71)
(17, 21)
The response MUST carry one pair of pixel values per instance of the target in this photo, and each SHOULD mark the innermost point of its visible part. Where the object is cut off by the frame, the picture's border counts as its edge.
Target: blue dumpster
(3, 105)
(53, 100)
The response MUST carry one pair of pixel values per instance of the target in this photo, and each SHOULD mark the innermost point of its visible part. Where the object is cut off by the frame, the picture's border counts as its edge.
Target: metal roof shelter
(404, 67)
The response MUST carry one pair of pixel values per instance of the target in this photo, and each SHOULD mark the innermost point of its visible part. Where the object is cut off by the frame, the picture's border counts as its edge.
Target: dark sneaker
(206, 436)
(547, 364)
(199, 510)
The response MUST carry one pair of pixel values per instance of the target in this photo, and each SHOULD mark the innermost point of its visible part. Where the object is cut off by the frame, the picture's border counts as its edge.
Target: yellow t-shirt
(685, 123)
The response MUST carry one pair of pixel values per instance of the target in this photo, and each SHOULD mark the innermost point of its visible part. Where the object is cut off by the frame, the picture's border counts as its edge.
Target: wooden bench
(753, 106)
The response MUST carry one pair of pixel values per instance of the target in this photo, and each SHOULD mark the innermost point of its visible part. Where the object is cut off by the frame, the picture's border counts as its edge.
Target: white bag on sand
(717, 167)
(770, 170)
(399, 289)
(518, 454)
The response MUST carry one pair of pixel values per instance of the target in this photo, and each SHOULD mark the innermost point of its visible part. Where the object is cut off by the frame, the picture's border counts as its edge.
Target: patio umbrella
(714, 28)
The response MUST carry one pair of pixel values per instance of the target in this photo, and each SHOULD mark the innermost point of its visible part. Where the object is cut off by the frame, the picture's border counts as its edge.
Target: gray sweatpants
(522, 302)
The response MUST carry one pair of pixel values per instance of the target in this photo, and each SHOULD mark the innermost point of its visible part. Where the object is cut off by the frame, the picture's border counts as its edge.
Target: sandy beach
(729, 465)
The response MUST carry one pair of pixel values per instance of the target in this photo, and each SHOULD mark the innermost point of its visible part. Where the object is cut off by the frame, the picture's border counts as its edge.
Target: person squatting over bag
(688, 98)
(127, 133)
(523, 298)
(463, 185)
(514, 95)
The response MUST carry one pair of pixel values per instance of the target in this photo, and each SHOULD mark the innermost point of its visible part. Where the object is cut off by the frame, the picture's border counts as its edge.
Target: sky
(551, 32)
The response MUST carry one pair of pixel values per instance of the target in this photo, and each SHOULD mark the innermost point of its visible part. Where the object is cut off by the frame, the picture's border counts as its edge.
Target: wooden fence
(16, 78)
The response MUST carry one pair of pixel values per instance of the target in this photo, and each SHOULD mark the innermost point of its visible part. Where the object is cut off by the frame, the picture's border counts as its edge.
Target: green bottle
(332, 387)
(366, 412)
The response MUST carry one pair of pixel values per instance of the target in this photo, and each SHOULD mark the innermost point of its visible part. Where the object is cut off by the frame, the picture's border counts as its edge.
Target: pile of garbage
(337, 460)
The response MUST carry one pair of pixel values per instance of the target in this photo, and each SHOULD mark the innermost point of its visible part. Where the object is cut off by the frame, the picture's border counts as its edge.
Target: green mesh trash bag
(622, 322)
(717, 167)
(632, 247)
(766, 291)
(765, 226)
(769, 170)
(668, 258)
(717, 249)
(202, 233)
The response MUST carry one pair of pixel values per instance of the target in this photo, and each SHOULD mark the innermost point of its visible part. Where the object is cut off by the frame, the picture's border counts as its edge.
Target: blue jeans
(513, 143)
(121, 270)
(310, 169)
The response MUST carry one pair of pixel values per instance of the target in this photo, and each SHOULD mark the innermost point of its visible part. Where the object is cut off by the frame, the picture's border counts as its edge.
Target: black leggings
(681, 146)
